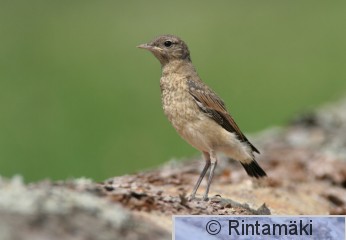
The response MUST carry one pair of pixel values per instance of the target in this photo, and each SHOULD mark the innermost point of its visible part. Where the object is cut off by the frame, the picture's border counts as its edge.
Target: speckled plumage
(196, 112)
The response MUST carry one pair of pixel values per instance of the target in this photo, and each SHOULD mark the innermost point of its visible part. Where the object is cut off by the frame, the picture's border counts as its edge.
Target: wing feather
(215, 108)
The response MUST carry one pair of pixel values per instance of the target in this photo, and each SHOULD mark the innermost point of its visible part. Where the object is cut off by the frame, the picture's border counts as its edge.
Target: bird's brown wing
(209, 103)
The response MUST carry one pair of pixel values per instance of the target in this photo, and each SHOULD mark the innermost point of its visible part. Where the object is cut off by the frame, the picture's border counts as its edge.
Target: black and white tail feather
(253, 169)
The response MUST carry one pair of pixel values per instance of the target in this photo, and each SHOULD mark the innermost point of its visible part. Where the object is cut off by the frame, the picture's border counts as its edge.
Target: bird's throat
(181, 67)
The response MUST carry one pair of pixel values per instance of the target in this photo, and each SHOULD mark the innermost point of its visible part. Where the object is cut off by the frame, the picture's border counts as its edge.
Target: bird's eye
(168, 43)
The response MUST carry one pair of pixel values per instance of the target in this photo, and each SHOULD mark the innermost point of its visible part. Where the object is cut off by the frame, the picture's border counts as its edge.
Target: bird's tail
(253, 169)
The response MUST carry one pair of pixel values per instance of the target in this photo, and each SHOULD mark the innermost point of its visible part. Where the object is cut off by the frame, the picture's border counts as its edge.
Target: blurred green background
(78, 99)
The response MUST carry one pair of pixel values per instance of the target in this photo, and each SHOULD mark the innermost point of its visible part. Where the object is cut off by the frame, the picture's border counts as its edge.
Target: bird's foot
(205, 198)
(191, 197)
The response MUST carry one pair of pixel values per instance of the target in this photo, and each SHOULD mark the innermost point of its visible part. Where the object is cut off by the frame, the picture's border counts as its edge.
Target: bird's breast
(178, 105)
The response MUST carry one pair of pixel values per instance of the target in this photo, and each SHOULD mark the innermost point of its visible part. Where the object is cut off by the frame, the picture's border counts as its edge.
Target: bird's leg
(204, 171)
(213, 161)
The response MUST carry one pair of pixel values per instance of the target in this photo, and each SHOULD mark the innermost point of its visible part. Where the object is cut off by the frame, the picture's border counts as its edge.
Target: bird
(197, 113)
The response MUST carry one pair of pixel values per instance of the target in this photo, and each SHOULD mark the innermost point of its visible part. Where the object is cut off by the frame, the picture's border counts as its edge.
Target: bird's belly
(197, 129)
(205, 135)
(194, 134)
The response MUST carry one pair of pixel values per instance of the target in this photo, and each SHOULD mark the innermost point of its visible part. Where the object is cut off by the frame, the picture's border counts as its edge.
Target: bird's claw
(191, 197)
(205, 198)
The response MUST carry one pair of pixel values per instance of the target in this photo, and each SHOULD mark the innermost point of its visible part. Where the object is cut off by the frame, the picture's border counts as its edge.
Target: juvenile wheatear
(197, 113)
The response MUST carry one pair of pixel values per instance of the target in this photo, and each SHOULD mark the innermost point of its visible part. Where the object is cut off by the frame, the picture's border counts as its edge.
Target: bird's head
(168, 48)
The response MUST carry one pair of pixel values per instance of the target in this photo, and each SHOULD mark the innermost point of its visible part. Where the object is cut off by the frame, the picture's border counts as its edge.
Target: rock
(69, 210)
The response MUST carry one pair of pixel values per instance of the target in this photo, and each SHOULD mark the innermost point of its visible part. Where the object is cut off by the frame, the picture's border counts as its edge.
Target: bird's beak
(145, 46)
(150, 47)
